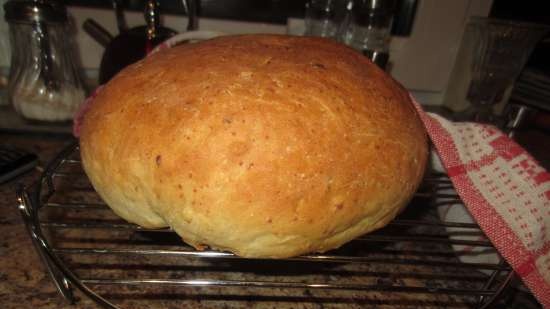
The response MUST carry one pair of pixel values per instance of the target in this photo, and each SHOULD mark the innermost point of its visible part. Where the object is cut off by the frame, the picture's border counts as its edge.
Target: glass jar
(44, 83)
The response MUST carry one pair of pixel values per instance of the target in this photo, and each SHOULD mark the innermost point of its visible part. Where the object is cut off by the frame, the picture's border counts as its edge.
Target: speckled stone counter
(24, 282)
(23, 279)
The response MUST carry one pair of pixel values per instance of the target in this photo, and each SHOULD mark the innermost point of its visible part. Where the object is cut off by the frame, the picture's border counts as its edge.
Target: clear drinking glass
(369, 29)
(322, 18)
(496, 52)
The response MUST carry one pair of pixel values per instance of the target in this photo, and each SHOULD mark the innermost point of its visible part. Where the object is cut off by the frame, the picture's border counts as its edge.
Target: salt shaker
(43, 84)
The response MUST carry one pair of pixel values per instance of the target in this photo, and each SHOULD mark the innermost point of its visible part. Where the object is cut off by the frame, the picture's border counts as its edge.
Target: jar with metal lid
(44, 83)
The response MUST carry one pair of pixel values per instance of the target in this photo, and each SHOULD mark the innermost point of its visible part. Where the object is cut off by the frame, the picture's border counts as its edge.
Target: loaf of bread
(263, 145)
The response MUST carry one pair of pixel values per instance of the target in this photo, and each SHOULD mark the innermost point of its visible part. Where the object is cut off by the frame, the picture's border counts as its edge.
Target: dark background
(277, 11)
(267, 11)
(525, 10)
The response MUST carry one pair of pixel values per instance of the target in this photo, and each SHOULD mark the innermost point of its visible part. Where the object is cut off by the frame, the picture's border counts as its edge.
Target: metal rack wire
(415, 260)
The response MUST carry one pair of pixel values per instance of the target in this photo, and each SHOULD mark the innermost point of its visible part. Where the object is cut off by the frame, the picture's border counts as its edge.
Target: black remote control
(14, 162)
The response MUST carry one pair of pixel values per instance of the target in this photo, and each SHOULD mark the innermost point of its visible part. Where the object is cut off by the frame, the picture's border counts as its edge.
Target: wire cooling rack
(417, 260)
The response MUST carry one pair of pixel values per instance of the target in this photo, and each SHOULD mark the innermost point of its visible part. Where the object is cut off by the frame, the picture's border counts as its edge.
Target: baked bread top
(263, 145)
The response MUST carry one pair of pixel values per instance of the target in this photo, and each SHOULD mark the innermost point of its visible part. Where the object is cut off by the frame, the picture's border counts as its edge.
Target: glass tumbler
(369, 29)
(321, 18)
(492, 54)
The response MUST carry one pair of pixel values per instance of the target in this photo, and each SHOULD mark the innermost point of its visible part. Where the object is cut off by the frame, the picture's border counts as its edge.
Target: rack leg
(29, 218)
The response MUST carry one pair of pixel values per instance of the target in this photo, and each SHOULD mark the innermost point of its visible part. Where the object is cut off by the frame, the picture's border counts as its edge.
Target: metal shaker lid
(27, 11)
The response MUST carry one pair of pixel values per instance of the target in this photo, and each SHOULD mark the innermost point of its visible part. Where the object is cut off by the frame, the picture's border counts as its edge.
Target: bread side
(264, 145)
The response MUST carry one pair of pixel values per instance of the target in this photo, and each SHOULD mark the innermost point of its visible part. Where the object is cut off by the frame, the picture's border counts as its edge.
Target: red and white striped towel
(505, 190)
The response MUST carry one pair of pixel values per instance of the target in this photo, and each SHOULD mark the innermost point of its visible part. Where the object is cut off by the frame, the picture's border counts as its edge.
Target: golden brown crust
(264, 145)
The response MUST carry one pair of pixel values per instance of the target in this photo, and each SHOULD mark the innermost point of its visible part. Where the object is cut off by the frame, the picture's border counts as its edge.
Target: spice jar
(43, 83)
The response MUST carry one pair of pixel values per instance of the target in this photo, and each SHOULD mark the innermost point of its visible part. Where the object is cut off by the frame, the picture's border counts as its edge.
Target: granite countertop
(24, 282)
